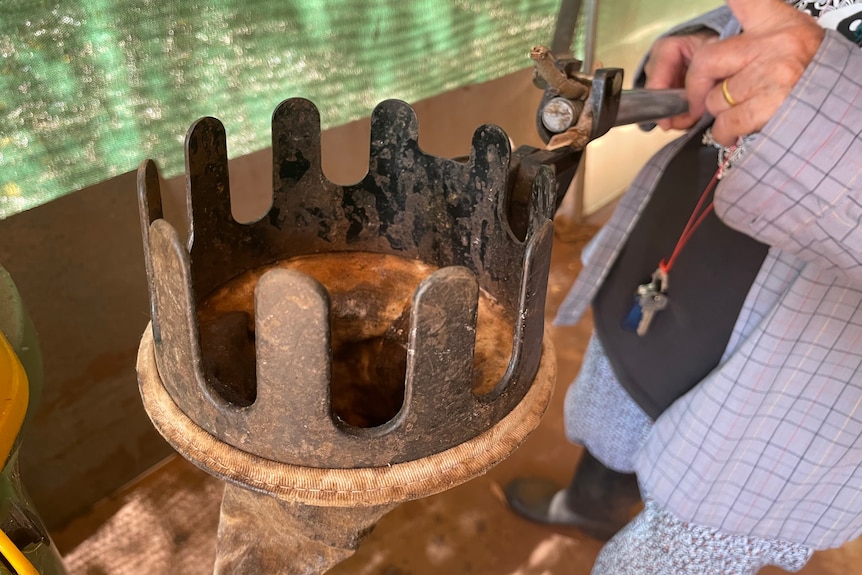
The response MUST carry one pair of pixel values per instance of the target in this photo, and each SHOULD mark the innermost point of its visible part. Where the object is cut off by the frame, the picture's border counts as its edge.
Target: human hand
(761, 66)
(667, 66)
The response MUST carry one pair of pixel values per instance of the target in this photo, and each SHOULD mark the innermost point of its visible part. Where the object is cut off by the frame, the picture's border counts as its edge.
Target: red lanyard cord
(697, 217)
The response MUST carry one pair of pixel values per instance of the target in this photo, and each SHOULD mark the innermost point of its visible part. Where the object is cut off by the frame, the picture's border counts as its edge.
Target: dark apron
(707, 287)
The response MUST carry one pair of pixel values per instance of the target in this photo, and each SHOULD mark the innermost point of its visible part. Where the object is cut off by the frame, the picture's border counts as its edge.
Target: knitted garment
(601, 415)
(657, 543)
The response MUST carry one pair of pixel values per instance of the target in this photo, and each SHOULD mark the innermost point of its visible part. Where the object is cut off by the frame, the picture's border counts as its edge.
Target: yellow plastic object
(14, 556)
(14, 395)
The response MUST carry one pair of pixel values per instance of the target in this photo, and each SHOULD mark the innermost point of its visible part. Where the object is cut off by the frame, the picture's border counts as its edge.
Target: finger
(670, 56)
(663, 81)
(682, 122)
(718, 102)
(770, 79)
(748, 117)
(711, 65)
(665, 66)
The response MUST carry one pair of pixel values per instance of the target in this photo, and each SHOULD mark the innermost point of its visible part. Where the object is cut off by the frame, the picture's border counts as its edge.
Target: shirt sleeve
(799, 185)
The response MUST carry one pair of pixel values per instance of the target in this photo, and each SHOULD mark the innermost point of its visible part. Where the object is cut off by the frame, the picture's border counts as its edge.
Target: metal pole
(564, 33)
(590, 16)
(591, 11)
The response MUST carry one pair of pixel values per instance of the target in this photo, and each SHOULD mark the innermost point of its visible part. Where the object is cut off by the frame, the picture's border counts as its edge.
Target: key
(657, 284)
(650, 297)
(651, 302)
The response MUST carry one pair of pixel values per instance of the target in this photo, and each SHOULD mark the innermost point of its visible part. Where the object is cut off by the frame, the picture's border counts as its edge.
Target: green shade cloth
(91, 88)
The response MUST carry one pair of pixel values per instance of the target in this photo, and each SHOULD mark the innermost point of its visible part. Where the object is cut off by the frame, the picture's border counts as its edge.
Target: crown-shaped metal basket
(258, 374)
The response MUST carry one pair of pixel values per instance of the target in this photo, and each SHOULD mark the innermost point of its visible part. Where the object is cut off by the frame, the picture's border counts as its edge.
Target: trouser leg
(600, 414)
(602, 495)
(598, 501)
(658, 543)
(603, 492)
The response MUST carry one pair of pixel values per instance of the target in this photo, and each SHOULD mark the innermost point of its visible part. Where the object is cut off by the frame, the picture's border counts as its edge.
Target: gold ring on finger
(726, 93)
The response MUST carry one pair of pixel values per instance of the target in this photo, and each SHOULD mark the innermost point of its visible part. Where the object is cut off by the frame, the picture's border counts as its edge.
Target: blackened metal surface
(599, 113)
(149, 210)
(604, 100)
(451, 215)
(526, 164)
(567, 23)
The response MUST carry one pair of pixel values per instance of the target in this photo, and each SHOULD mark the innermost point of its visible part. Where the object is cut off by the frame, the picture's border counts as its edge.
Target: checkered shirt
(770, 443)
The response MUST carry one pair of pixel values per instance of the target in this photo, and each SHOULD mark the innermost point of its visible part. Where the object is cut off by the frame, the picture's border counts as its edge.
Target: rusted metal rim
(357, 487)
(263, 380)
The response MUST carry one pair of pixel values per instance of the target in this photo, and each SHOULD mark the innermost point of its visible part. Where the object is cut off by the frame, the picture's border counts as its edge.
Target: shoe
(542, 501)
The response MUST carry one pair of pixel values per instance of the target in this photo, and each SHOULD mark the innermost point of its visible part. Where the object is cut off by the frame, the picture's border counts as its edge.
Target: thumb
(758, 14)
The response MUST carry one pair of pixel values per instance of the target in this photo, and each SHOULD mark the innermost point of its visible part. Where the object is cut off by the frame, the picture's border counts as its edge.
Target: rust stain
(371, 295)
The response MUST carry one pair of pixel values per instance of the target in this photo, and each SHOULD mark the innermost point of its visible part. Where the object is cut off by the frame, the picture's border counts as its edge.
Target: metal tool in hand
(584, 107)
(575, 109)
(631, 107)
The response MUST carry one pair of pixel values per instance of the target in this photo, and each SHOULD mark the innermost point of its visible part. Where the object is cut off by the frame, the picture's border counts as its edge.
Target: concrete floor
(166, 522)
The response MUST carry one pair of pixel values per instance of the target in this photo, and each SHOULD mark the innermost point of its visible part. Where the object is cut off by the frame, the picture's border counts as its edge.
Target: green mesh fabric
(92, 87)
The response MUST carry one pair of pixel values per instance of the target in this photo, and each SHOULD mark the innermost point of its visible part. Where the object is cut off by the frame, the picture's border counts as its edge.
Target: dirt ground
(166, 522)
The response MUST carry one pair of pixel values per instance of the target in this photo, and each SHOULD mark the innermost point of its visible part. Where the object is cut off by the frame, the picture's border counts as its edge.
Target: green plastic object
(16, 507)
(90, 87)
